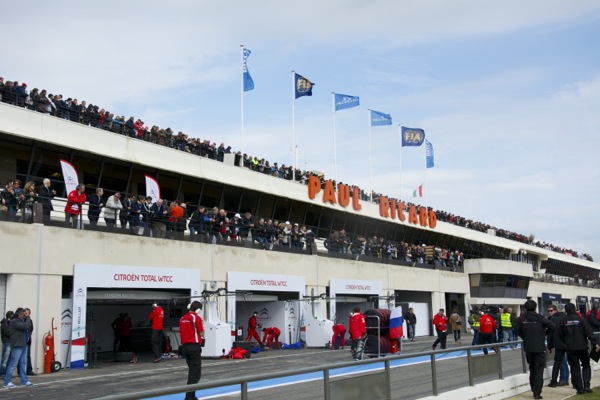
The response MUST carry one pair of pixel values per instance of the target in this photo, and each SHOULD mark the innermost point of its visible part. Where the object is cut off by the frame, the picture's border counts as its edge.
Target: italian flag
(418, 192)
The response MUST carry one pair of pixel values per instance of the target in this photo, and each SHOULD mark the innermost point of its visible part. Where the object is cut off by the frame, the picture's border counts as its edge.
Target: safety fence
(336, 388)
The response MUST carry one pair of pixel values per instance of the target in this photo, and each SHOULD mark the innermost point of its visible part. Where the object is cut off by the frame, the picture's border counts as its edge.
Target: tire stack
(373, 326)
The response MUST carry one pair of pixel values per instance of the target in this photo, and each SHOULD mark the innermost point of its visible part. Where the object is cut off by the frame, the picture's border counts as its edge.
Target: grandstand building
(85, 278)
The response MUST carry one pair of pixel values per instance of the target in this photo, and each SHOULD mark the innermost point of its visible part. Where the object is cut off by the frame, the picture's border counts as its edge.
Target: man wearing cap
(487, 324)
(533, 329)
(156, 318)
(112, 210)
(191, 330)
(575, 332)
(18, 344)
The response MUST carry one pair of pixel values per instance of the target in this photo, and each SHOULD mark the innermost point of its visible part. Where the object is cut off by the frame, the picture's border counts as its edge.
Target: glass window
(45, 162)
(211, 195)
(283, 206)
(231, 199)
(298, 212)
(326, 223)
(249, 202)
(313, 213)
(138, 181)
(115, 175)
(190, 193)
(265, 206)
(169, 186)
(88, 168)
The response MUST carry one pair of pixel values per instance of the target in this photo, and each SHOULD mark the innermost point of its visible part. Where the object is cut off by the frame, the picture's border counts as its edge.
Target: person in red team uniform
(440, 321)
(252, 325)
(191, 330)
(270, 334)
(358, 333)
(339, 331)
(75, 201)
(157, 317)
(486, 330)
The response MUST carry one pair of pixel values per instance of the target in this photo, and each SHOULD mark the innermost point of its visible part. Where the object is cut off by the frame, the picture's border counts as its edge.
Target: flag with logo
(412, 136)
(429, 154)
(70, 175)
(248, 82)
(152, 188)
(343, 101)
(302, 86)
(380, 119)
(396, 321)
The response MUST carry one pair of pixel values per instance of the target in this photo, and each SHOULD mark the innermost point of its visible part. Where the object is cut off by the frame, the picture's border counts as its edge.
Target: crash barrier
(338, 388)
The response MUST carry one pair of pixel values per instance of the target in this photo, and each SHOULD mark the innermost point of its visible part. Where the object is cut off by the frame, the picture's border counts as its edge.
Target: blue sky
(507, 92)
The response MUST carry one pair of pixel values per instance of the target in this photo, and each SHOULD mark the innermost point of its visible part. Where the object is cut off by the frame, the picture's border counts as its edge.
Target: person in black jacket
(575, 331)
(533, 328)
(557, 314)
(5, 331)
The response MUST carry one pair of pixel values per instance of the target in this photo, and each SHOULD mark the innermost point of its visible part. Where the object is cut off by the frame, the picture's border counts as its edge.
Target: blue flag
(343, 101)
(248, 82)
(429, 154)
(412, 136)
(302, 86)
(380, 119)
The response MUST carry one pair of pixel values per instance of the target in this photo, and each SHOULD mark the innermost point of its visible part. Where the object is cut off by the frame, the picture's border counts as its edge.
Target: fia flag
(429, 154)
(412, 136)
(302, 86)
(380, 119)
(343, 101)
(248, 82)
(152, 188)
(70, 175)
(396, 320)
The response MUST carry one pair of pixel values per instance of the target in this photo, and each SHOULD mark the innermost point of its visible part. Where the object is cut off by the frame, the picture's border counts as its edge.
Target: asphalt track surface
(411, 379)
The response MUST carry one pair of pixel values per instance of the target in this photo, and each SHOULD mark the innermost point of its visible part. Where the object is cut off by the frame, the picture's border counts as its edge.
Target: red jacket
(273, 332)
(175, 213)
(486, 324)
(191, 328)
(157, 316)
(358, 326)
(74, 203)
(440, 322)
(252, 322)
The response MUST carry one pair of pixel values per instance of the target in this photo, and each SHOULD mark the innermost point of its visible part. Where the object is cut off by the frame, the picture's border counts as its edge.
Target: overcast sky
(507, 92)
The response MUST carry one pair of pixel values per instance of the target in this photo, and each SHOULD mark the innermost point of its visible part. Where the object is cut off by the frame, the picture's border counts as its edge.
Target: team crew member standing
(486, 330)
(252, 325)
(191, 331)
(441, 327)
(339, 331)
(270, 335)
(575, 331)
(358, 331)
(533, 328)
(557, 315)
(157, 317)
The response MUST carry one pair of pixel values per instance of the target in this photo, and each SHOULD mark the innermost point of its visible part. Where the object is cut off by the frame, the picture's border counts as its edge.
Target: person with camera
(191, 330)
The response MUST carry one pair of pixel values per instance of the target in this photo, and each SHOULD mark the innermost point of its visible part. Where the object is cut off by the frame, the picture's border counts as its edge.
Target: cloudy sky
(507, 92)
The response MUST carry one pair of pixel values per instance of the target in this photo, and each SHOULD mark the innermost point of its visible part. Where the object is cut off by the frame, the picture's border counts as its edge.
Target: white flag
(152, 188)
(70, 175)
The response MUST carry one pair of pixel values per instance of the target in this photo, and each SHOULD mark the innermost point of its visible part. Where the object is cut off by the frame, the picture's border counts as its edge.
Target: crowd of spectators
(11, 92)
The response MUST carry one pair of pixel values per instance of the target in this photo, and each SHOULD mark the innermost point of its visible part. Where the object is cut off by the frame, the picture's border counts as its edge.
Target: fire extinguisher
(49, 350)
(169, 349)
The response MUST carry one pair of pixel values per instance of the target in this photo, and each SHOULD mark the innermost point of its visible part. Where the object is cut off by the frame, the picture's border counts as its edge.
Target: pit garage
(346, 294)
(275, 297)
(103, 292)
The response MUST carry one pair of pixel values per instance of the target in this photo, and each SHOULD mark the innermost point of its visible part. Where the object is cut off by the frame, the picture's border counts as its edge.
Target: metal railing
(326, 371)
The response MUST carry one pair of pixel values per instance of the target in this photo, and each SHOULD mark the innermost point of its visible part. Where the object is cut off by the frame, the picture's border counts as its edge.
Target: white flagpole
(334, 145)
(425, 177)
(293, 128)
(370, 166)
(400, 136)
(242, 94)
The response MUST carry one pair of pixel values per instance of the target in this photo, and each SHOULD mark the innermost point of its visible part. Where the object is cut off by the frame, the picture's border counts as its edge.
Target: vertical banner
(66, 324)
(70, 175)
(152, 188)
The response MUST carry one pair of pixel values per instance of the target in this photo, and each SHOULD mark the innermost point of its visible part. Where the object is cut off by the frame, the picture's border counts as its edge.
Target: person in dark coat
(96, 204)
(46, 194)
(557, 314)
(533, 329)
(575, 332)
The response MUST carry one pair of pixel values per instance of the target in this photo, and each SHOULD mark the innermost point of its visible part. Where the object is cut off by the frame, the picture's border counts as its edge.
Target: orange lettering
(393, 208)
(384, 207)
(423, 216)
(401, 208)
(314, 186)
(355, 199)
(329, 193)
(432, 219)
(343, 195)
(412, 215)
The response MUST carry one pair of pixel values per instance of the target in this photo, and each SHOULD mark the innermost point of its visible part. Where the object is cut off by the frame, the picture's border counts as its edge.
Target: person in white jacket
(112, 210)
